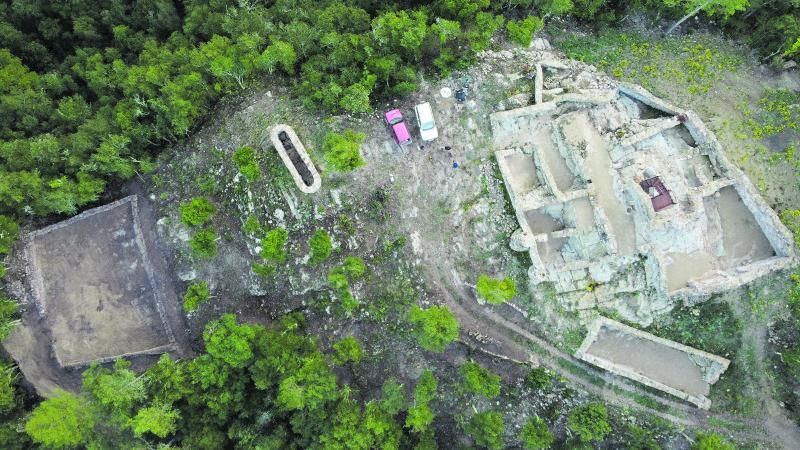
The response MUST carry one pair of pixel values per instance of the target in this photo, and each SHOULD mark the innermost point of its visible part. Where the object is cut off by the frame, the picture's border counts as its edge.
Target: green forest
(92, 92)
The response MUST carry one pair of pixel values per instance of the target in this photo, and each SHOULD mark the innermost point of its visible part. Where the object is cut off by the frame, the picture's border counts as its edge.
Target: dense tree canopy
(255, 387)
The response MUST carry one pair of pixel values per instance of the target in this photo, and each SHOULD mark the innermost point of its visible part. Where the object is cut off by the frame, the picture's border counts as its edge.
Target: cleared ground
(98, 290)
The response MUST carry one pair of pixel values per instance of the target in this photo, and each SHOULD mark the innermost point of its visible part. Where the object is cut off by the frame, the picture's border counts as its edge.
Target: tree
(8, 391)
(61, 421)
(479, 380)
(196, 294)
(487, 429)
(245, 159)
(229, 341)
(535, 435)
(342, 150)
(401, 32)
(589, 422)
(435, 327)
(273, 246)
(197, 211)
(393, 396)
(321, 247)
(8, 316)
(312, 386)
(8, 233)
(160, 420)
(496, 291)
(724, 8)
(204, 243)
(347, 350)
(521, 32)
(355, 98)
(279, 54)
(711, 441)
(419, 418)
(117, 390)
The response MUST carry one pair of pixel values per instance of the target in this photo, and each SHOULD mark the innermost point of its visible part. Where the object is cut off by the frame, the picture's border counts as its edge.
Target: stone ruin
(627, 203)
(679, 370)
(95, 289)
(296, 159)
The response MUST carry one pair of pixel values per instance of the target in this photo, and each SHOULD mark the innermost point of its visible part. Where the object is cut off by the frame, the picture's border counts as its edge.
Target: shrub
(425, 390)
(342, 150)
(321, 247)
(589, 422)
(8, 316)
(204, 243)
(196, 294)
(349, 302)
(435, 327)
(347, 350)
(354, 267)
(245, 159)
(538, 378)
(337, 279)
(711, 441)
(9, 230)
(252, 226)
(197, 211)
(273, 246)
(521, 32)
(479, 380)
(535, 435)
(496, 291)
(487, 429)
(262, 270)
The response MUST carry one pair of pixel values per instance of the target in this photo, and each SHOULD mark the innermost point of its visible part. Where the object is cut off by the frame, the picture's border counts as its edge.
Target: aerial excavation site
(350, 225)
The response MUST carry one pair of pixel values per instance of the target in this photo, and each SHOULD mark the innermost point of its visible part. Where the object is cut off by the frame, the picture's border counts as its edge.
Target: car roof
(401, 131)
(424, 112)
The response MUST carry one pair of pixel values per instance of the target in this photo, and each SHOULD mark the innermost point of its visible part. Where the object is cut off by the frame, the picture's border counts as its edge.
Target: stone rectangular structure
(676, 369)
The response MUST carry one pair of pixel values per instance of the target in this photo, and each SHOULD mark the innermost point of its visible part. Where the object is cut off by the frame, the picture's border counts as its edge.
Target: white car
(427, 126)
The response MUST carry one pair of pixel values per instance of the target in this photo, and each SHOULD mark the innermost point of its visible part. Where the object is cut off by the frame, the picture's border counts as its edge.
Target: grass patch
(694, 63)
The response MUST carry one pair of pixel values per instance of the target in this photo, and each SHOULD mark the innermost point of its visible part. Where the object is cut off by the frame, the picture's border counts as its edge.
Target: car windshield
(427, 126)
(396, 120)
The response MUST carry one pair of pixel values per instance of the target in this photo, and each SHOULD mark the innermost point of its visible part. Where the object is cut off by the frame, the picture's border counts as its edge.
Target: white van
(427, 126)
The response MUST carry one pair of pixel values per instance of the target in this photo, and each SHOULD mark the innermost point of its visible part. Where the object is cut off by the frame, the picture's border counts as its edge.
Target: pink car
(395, 120)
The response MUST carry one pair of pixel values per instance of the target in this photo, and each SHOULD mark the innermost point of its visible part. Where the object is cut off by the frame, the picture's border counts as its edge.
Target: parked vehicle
(427, 126)
(394, 119)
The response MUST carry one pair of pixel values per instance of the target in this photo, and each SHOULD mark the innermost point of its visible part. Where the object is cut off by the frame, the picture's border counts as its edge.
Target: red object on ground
(663, 199)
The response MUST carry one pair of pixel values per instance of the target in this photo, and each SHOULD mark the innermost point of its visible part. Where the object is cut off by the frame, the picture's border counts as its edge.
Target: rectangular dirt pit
(677, 369)
(557, 165)
(685, 267)
(743, 241)
(540, 222)
(522, 172)
(92, 281)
